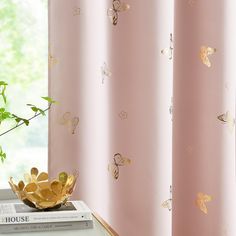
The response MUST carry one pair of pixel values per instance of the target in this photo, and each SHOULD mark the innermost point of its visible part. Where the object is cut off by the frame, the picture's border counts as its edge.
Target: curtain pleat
(203, 119)
(140, 87)
(78, 123)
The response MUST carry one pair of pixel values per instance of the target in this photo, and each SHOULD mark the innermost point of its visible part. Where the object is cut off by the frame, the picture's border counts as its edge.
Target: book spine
(79, 225)
(23, 218)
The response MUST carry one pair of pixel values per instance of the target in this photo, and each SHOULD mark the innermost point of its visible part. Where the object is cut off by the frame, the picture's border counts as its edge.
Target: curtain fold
(111, 70)
(203, 120)
(140, 91)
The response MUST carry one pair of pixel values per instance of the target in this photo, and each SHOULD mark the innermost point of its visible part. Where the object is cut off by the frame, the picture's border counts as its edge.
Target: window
(24, 66)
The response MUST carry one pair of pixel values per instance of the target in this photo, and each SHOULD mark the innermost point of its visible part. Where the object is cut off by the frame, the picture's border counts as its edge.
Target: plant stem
(22, 123)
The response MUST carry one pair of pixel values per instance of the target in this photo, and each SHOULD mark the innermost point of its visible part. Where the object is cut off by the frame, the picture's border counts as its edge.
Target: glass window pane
(24, 66)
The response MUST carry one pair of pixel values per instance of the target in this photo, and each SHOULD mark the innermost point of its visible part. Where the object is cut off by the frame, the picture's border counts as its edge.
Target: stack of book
(17, 217)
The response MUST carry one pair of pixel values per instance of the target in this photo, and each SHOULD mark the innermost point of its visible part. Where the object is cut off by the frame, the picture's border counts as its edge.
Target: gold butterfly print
(191, 2)
(51, 60)
(204, 53)
(189, 149)
(117, 7)
(228, 119)
(201, 201)
(106, 73)
(227, 85)
(225, 232)
(171, 109)
(169, 51)
(168, 203)
(123, 115)
(70, 121)
(76, 11)
(118, 161)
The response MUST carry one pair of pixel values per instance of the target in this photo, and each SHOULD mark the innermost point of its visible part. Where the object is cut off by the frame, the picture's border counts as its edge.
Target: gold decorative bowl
(41, 193)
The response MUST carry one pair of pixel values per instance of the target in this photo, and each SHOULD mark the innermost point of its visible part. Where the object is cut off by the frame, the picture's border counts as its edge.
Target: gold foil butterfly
(123, 115)
(70, 122)
(201, 201)
(168, 203)
(169, 51)
(117, 7)
(227, 85)
(204, 53)
(171, 109)
(225, 232)
(118, 160)
(76, 11)
(51, 60)
(191, 2)
(106, 73)
(228, 119)
(189, 149)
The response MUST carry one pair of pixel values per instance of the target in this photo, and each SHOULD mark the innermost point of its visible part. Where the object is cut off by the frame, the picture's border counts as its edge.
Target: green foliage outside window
(23, 80)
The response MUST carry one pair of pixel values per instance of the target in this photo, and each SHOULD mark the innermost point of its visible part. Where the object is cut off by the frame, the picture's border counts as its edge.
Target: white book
(18, 228)
(19, 213)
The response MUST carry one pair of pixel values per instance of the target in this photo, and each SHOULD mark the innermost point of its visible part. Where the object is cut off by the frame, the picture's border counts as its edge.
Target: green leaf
(3, 83)
(4, 96)
(36, 109)
(4, 115)
(3, 155)
(26, 122)
(41, 112)
(50, 100)
(20, 119)
(3, 87)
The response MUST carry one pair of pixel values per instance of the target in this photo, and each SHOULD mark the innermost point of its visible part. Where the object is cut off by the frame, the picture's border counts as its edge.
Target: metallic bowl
(39, 192)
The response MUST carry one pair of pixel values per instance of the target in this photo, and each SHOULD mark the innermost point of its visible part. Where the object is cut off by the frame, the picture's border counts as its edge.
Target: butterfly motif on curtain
(189, 149)
(171, 109)
(169, 51)
(191, 2)
(123, 115)
(204, 53)
(228, 119)
(106, 73)
(118, 161)
(201, 201)
(225, 232)
(117, 7)
(51, 60)
(168, 203)
(76, 11)
(71, 122)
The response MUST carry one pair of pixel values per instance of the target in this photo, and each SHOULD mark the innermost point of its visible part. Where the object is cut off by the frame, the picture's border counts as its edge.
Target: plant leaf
(3, 86)
(3, 155)
(19, 119)
(50, 100)
(4, 115)
(3, 83)
(36, 109)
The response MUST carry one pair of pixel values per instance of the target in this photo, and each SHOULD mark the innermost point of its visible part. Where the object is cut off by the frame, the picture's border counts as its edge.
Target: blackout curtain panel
(110, 69)
(204, 118)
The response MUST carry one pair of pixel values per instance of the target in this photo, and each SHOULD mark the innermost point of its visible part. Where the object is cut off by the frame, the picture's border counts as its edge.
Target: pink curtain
(203, 120)
(110, 69)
